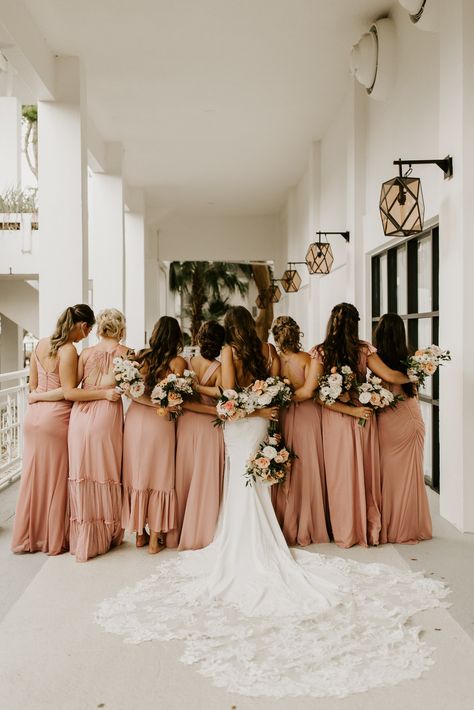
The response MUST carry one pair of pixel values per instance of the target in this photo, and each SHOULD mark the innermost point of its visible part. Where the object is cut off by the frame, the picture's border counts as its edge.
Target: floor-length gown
(261, 619)
(301, 502)
(405, 509)
(352, 463)
(41, 517)
(149, 497)
(95, 466)
(199, 473)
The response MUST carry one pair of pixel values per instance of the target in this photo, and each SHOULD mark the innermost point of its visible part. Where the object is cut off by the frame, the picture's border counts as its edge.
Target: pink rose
(279, 459)
(229, 406)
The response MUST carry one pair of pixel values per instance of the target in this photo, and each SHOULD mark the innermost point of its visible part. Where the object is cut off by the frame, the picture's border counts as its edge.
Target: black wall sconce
(401, 205)
(319, 257)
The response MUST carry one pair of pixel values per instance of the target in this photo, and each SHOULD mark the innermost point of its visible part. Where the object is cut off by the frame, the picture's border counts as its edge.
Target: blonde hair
(110, 323)
(287, 334)
(80, 313)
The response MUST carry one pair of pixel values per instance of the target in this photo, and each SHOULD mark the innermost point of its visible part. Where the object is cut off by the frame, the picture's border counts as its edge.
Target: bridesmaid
(95, 444)
(300, 505)
(200, 451)
(41, 519)
(351, 452)
(405, 510)
(149, 443)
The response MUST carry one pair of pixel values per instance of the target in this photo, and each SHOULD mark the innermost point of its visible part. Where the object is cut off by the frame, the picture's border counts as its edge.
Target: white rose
(264, 400)
(364, 397)
(269, 452)
(375, 380)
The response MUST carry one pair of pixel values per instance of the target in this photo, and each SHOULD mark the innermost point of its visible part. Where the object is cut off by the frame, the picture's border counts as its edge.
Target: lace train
(260, 619)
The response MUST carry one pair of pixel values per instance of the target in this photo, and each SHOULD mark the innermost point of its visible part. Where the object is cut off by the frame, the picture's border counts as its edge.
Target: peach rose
(375, 399)
(429, 368)
(284, 455)
(262, 462)
(229, 406)
(279, 459)
(174, 399)
(258, 386)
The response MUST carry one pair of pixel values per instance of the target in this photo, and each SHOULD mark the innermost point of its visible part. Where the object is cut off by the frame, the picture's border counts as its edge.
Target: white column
(10, 143)
(135, 269)
(107, 232)
(11, 345)
(456, 264)
(152, 279)
(62, 192)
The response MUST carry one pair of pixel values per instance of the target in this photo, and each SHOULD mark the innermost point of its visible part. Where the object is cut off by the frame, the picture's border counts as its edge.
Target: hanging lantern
(402, 208)
(291, 281)
(262, 300)
(319, 258)
(274, 293)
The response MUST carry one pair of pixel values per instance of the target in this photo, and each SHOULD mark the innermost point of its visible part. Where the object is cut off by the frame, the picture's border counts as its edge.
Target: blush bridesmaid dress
(405, 509)
(301, 502)
(148, 470)
(41, 518)
(199, 475)
(352, 463)
(95, 461)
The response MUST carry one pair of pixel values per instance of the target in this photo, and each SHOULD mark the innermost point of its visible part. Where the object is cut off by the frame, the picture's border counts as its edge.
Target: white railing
(13, 400)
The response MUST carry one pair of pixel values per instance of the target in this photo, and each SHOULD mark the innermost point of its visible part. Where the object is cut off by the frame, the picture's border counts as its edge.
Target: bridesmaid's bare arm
(275, 368)
(227, 368)
(359, 412)
(178, 365)
(379, 368)
(33, 382)
(68, 377)
(199, 408)
(315, 370)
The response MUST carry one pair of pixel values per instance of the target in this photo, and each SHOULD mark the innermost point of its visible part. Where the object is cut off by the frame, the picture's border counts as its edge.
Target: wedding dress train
(261, 619)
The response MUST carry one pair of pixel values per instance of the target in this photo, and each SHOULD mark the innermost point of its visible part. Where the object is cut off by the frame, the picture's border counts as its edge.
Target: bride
(260, 618)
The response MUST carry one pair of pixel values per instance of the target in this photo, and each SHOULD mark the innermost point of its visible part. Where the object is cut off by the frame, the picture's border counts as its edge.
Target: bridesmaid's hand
(32, 398)
(111, 395)
(344, 397)
(362, 412)
(268, 413)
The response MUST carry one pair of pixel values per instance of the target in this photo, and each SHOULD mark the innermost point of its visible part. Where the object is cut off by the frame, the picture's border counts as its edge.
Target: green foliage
(207, 286)
(29, 113)
(14, 201)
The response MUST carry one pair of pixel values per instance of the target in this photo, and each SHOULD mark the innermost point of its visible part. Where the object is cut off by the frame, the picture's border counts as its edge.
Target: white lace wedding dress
(261, 619)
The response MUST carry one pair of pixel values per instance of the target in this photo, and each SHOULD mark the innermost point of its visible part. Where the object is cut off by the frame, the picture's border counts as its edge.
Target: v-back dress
(301, 502)
(199, 473)
(41, 518)
(352, 463)
(95, 464)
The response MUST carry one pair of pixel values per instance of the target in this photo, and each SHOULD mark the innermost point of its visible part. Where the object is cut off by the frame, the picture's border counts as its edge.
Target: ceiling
(216, 102)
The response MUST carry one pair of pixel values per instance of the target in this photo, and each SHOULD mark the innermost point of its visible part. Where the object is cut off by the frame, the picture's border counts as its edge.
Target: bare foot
(156, 543)
(142, 540)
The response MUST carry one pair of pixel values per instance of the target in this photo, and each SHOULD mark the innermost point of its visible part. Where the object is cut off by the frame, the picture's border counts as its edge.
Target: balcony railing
(13, 400)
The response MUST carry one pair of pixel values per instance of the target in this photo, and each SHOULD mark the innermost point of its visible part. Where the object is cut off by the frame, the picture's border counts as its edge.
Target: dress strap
(209, 372)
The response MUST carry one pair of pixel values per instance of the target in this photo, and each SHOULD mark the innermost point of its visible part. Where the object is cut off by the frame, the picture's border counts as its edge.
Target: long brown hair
(166, 342)
(287, 334)
(391, 343)
(80, 313)
(342, 344)
(241, 334)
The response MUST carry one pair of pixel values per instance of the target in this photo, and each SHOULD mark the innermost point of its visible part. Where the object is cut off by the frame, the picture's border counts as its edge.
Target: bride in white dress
(259, 618)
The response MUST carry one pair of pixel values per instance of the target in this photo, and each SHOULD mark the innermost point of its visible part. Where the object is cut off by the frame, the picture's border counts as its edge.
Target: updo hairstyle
(287, 334)
(110, 323)
(210, 339)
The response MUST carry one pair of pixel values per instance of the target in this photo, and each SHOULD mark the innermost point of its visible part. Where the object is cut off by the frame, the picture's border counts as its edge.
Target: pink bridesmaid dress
(301, 502)
(199, 476)
(405, 509)
(352, 462)
(149, 496)
(95, 459)
(41, 518)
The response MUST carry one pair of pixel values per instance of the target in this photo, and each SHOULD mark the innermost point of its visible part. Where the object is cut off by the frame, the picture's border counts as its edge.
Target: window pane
(424, 275)
(426, 411)
(425, 339)
(402, 280)
(383, 284)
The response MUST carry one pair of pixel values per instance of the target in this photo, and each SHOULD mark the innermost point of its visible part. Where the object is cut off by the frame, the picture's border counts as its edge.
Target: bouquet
(272, 392)
(373, 395)
(231, 406)
(425, 362)
(333, 385)
(271, 463)
(172, 391)
(128, 377)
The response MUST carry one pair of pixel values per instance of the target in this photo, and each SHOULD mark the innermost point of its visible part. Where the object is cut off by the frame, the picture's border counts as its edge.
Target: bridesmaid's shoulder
(68, 351)
(302, 357)
(367, 347)
(178, 362)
